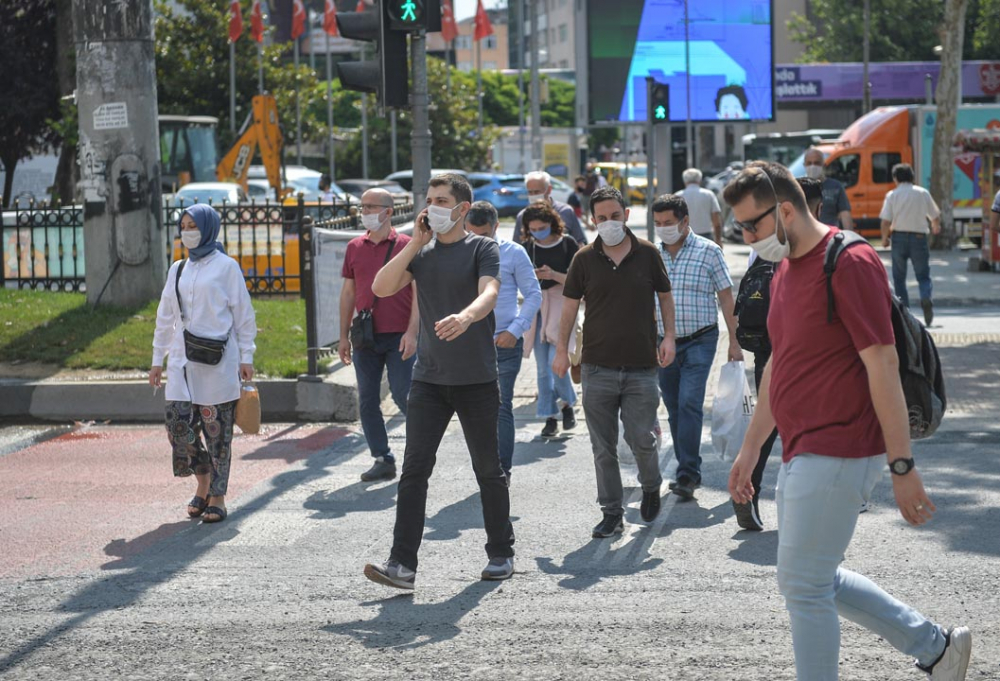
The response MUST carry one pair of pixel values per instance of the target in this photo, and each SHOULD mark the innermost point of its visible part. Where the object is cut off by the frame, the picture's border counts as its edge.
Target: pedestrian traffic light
(386, 76)
(405, 15)
(659, 103)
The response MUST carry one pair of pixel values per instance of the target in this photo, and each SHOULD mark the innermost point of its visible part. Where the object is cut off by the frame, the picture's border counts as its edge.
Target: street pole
(479, 86)
(232, 87)
(449, 46)
(536, 93)
(329, 112)
(260, 68)
(298, 109)
(867, 94)
(650, 162)
(689, 130)
(392, 121)
(126, 252)
(364, 125)
(420, 139)
(520, 82)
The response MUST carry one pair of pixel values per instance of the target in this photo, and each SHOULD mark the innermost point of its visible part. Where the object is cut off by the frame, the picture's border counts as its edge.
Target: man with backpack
(832, 387)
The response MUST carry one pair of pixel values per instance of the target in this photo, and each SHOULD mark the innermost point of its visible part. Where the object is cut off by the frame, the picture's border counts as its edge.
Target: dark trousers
(369, 364)
(187, 425)
(429, 409)
(760, 361)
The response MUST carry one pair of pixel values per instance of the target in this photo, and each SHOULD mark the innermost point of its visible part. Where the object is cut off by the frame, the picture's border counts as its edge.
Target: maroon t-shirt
(819, 391)
(363, 260)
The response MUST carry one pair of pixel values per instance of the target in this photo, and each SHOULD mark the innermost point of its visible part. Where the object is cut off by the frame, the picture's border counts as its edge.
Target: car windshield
(206, 196)
(798, 166)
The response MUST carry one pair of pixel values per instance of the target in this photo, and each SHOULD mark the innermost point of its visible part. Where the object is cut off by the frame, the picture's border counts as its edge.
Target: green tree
(30, 97)
(833, 30)
(192, 66)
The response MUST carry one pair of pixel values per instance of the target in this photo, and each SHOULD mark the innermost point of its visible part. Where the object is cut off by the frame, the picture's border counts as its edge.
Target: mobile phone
(425, 223)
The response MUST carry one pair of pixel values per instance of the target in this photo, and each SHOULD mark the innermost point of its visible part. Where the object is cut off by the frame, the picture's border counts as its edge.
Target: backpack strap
(177, 288)
(840, 242)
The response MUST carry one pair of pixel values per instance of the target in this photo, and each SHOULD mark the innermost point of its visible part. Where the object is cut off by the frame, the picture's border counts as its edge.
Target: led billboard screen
(731, 57)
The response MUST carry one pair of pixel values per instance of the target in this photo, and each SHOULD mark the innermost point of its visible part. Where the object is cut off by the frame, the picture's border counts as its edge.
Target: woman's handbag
(247, 415)
(197, 349)
(363, 324)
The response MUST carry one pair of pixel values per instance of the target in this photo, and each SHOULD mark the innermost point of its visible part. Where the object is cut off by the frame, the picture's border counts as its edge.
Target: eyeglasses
(751, 225)
(374, 206)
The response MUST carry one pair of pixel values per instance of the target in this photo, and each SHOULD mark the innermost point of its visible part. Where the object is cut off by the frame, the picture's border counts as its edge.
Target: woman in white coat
(201, 398)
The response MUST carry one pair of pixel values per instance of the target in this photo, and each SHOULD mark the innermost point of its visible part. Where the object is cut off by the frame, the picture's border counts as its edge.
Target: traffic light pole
(650, 145)
(420, 140)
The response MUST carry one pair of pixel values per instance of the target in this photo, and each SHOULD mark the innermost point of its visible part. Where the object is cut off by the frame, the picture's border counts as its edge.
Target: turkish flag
(449, 29)
(483, 25)
(361, 6)
(235, 21)
(330, 18)
(257, 22)
(298, 19)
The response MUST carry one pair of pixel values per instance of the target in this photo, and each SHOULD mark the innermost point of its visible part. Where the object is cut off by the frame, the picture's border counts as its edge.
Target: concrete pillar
(119, 151)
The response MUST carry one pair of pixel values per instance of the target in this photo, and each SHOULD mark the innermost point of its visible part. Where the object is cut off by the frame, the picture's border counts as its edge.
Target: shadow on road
(401, 623)
(600, 558)
(360, 497)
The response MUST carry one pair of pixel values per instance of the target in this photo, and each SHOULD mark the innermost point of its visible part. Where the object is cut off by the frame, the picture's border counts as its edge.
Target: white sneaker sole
(960, 641)
(373, 573)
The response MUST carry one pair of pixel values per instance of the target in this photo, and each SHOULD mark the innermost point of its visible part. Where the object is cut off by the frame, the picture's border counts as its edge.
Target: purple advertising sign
(902, 81)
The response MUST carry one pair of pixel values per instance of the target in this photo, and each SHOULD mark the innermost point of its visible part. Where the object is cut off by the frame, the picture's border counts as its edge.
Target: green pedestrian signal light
(406, 15)
(659, 103)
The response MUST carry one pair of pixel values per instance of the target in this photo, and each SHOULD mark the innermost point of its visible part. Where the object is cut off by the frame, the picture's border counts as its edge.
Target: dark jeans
(368, 366)
(429, 410)
(759, 362)
(682, 385)
(508, 364)
(913, 246)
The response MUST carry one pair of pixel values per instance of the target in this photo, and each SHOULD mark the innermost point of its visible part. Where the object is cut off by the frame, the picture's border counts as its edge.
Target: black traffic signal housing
(659, 103)
(406, 15)
(387, 75)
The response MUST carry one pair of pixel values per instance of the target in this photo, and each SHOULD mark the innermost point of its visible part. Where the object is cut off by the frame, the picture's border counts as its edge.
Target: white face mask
(770, 248)
(612, 232)
(439, 219)
(538, 198)
(372, 221)
(815, 172)
(669, 235)
(191, 238)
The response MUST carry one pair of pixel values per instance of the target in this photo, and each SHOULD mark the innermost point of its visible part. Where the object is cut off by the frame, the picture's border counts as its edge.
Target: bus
(783, 147)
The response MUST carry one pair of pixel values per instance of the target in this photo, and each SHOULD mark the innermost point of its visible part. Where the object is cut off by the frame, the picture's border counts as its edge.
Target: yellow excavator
(260, 131)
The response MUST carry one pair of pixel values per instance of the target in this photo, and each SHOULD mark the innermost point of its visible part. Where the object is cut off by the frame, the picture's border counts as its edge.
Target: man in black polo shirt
(620, 277)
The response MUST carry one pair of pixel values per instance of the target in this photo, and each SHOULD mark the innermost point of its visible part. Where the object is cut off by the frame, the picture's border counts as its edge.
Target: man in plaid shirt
(699, 277)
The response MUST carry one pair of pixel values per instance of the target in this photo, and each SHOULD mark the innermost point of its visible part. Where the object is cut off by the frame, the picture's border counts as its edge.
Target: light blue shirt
(516, 274)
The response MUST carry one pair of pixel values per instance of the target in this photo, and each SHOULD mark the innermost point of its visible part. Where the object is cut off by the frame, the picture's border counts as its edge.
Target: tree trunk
(942, 164)
(9, 165)
(66, 172)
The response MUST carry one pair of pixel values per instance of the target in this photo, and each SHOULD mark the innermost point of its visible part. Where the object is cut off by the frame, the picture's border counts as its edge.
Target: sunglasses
(751, 225)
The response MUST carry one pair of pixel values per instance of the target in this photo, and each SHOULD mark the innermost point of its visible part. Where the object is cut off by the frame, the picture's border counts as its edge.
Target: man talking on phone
(457, 276)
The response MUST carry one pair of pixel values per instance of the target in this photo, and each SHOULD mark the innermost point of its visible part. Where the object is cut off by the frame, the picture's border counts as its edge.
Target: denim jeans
(550, 386)
(913, 246)
(631, 394)
(760, 361)
(683, 387)
(368, 366)
(508, 364)
(818, 501)
(429, 410)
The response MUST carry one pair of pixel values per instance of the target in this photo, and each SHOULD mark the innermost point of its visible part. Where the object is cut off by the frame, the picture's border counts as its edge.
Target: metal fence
(43, 247)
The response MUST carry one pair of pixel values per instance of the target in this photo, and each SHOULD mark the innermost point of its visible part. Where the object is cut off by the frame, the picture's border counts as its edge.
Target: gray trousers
(635, 394)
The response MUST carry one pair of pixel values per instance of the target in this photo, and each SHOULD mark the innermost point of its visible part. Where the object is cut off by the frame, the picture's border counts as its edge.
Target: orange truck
(863, 156)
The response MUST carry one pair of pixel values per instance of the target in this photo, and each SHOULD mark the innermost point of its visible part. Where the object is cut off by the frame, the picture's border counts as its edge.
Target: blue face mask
(542, 234)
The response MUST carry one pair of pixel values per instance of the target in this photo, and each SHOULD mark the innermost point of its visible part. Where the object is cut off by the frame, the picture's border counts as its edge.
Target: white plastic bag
(731, 410)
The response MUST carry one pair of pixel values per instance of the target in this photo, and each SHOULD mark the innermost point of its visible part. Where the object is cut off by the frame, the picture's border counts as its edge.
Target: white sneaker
(498, 569)
(954, 662)
(391, 574)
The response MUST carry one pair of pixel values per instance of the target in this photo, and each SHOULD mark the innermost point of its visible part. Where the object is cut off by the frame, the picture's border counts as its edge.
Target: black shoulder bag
(363, 325)
(197, 349)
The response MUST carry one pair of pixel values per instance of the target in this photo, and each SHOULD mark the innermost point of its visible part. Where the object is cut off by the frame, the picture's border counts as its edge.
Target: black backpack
(919, 364)
(752, 304)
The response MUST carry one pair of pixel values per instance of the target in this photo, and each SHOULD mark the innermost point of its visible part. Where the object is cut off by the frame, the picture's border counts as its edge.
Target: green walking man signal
(659, 103)
(408, 13)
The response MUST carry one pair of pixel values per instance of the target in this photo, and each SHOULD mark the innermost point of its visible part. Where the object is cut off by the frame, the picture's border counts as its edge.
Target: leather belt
(698, 334)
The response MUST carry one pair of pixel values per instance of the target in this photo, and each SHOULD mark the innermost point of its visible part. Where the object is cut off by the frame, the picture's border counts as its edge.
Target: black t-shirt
(557, 256)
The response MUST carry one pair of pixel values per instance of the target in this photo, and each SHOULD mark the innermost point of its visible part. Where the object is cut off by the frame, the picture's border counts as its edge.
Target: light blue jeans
(818, 502)
(550, 386)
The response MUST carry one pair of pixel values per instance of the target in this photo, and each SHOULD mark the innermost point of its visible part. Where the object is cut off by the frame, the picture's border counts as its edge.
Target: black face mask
(580, 188)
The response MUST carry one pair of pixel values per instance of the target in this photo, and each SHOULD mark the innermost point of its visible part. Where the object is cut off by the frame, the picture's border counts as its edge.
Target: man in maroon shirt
(395, 320)
(834, 392)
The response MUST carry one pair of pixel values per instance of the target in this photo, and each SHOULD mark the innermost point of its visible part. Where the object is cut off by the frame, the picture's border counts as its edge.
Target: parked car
(506, 192)
(357, 187)
(215, 193)
(405, 177)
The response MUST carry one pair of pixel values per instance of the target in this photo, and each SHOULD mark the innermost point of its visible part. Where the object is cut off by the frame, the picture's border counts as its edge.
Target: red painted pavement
(91, 497)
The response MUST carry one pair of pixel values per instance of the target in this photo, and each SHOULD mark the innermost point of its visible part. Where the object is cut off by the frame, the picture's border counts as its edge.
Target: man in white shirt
(909, 214)
(703, 206)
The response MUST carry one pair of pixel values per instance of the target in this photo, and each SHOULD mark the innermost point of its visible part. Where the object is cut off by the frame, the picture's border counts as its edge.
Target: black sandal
(216, 511)
(198, 503)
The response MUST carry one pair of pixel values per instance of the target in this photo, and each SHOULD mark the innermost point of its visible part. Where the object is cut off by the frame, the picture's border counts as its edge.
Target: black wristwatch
(901, 466)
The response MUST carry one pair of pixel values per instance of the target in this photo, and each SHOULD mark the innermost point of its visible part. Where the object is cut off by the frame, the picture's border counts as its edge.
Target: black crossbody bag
(363, 324)
(197, 349)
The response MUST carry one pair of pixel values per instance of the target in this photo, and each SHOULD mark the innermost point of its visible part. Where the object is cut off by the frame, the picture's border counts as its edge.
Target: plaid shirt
(696, 274)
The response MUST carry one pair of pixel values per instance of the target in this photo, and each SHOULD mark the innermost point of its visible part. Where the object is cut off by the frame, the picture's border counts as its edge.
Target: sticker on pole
(111, 116)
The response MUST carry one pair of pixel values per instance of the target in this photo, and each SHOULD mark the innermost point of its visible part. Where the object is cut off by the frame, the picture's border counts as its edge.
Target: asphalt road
(101, 577)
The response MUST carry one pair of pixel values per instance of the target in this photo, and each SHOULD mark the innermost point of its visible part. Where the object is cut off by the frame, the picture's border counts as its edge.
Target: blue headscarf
(209, 223)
